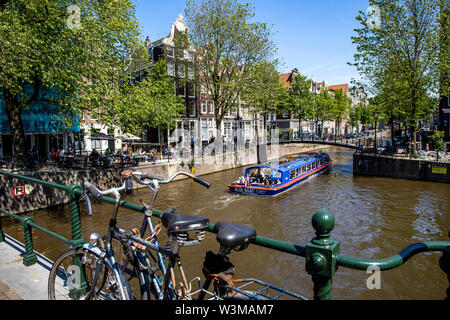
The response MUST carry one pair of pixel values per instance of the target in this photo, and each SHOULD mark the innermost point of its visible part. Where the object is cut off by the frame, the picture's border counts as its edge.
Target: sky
(312, 36)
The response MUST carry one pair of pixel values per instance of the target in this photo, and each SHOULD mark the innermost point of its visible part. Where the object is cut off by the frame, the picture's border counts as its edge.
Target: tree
(402, 44)
(228, 43)
(264, 93)
(365, 114)
(437, 140)
(354, 116)
(302, 101)
(153, 102)
(77, 51)
(342, 105)
(324, 107)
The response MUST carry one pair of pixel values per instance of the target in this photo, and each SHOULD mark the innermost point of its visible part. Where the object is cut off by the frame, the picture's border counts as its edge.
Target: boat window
(277, 175)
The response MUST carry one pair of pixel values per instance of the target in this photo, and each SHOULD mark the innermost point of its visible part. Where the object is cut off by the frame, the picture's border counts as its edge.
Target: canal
(375, 218)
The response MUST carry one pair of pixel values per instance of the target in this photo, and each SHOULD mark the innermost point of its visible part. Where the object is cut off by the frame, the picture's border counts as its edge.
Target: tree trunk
(392, 130)
(16, 127)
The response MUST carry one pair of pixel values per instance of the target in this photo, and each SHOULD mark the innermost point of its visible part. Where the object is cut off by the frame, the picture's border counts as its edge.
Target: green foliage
(41, 46)
(231, 42)
(151, 102)
(325, 105)
(437, 140)
(263, 90)
(79, 50)
(342, 105)
(400, 57)
(302, 101)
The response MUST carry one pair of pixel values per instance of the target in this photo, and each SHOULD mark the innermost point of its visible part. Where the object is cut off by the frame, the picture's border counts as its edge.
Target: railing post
(75, 221)
(321, 253)
(444, 263)
(29, 257)
(2, 237)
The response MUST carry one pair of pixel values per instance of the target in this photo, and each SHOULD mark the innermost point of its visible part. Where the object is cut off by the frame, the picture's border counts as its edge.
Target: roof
(286, 79)
(288, 165)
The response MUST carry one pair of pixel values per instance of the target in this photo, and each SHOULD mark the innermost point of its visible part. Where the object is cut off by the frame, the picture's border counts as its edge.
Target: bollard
(30, 257)
(321, 253)
(444, 263)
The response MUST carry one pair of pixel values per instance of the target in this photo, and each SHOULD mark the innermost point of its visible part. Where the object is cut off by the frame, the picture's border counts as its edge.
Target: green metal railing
(321, 253)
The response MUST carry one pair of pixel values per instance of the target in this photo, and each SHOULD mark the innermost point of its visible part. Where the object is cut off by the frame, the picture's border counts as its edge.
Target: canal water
(375, 218)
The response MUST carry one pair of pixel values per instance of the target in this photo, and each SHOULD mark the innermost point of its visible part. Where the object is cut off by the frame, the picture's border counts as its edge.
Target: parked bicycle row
(104, 268)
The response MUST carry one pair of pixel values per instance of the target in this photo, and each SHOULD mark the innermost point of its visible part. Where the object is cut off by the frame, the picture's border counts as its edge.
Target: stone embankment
(38, 197)
(367, 164)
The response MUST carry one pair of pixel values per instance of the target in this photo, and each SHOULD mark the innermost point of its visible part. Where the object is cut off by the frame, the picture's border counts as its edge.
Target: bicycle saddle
(177, 223)
(234, 235)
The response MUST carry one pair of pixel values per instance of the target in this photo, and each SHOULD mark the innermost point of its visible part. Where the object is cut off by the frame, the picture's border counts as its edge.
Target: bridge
(350, 144)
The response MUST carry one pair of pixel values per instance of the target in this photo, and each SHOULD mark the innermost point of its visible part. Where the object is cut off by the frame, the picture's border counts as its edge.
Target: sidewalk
(18, 282)
(6, 293)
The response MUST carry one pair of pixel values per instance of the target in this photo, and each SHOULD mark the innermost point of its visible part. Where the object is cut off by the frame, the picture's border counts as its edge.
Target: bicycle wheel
(432, 155)
(72, 274)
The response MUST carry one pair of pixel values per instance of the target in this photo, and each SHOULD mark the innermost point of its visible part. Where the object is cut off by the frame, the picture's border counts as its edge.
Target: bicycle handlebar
(129, 173)
(98, 194)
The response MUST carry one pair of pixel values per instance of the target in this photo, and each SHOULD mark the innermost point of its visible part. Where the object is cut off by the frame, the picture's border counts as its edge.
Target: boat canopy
(288, 163)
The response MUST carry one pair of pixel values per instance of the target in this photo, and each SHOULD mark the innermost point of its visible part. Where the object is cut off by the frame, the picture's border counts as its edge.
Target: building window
(191, 90)
(204, 107)
(180, 54)
(191, 72)
(234, 112)
(189, 55)
(192, 111)
(181, 90)
(204, 129)
(169, 52)
(171, 69)
(211, 107)
(181, 71)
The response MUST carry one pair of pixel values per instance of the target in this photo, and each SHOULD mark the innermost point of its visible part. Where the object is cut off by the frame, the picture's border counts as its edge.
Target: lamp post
(375, 116)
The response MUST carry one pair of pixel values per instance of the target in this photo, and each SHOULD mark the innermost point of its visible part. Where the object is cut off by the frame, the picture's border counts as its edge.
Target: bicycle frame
(174, 260)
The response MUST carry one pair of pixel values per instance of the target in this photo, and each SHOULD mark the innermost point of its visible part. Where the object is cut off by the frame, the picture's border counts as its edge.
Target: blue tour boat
(274, 178)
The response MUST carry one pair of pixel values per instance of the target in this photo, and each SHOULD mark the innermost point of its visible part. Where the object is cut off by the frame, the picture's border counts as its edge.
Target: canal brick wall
(38, 197)
(384, 166)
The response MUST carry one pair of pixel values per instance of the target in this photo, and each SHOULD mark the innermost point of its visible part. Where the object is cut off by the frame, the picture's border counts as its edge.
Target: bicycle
(150, 266)
(217, 268)
(91, 271)
(94, 273)
(434, 155)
